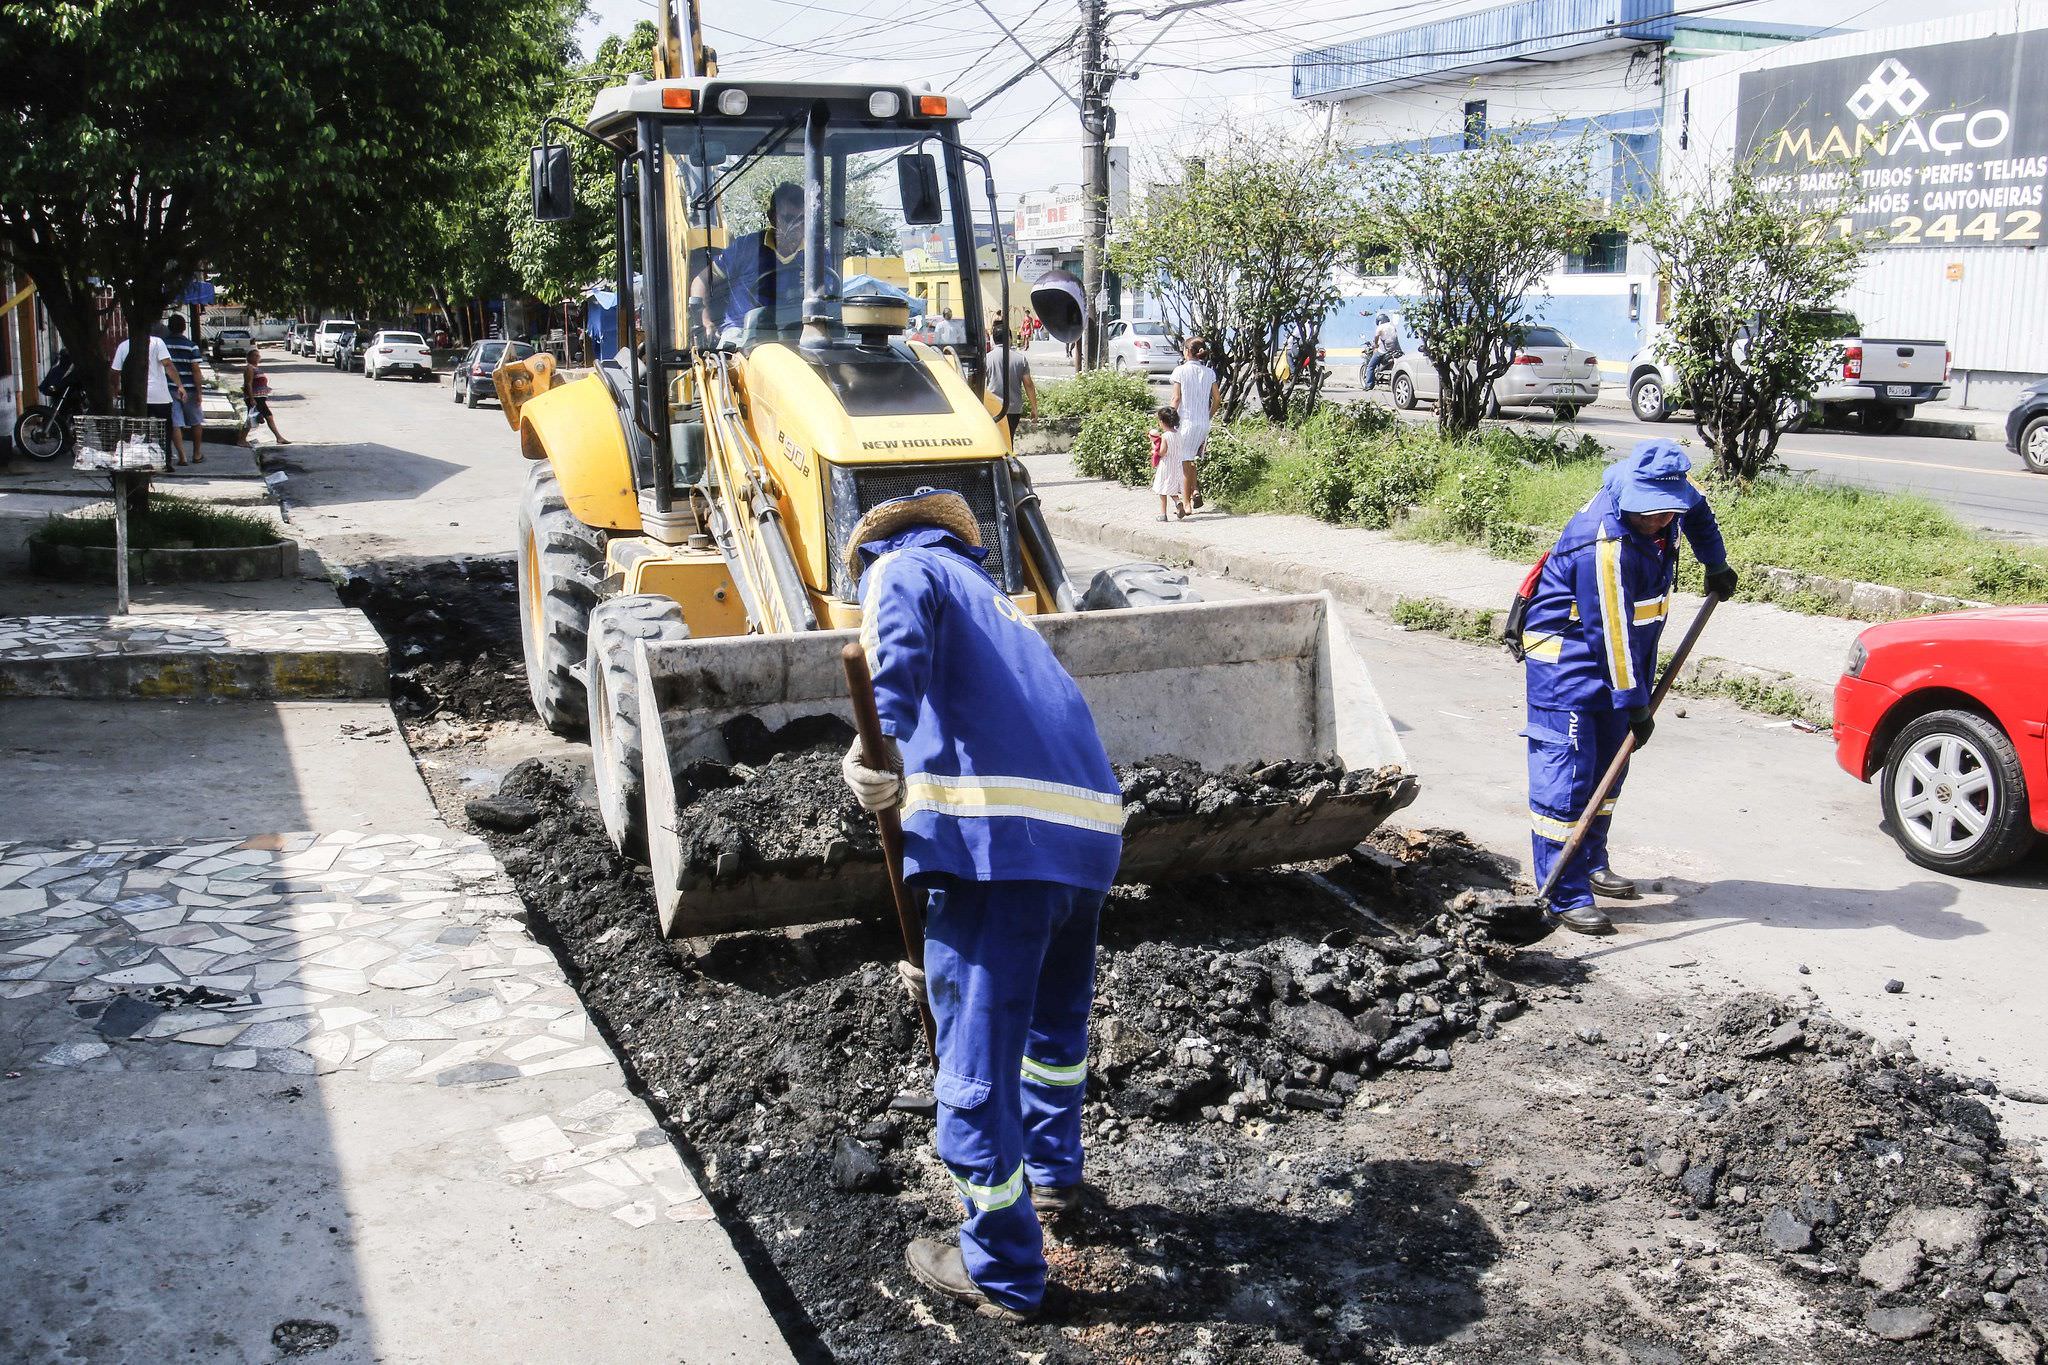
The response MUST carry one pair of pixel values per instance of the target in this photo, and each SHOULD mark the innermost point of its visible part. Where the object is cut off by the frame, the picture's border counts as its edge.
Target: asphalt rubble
(1327, 1118)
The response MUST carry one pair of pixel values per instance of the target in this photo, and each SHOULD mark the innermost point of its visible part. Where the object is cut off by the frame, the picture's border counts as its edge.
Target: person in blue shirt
(762, 269)
(1013, 827)
(187, 411)
(1590, 655)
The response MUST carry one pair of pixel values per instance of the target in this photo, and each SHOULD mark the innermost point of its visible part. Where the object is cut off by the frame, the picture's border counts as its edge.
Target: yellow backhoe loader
(680, 537)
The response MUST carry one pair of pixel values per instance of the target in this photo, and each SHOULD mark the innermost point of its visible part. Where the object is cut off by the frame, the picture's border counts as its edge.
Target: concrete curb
(95, 563)
(1279, 574)
(327, 654)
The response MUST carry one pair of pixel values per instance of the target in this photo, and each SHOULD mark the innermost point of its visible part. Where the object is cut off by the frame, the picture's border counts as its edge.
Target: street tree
(1243, 246)
(289, 146)
(1751, 280)
(1477, 230)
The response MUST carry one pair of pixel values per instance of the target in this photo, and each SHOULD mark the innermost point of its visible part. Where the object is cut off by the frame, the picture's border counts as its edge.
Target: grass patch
(1440, 618)
(1771, 699)
(173, 523)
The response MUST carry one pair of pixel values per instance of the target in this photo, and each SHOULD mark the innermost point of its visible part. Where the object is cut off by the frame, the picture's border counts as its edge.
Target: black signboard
(1942, 147)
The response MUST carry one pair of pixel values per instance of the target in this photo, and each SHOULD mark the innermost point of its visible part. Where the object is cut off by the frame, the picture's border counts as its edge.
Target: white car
(1143, 346)
(331, 331)
(1548, 372)
(398, 353)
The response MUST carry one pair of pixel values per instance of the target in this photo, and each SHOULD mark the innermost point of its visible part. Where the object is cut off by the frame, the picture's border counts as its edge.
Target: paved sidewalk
(1376, 570)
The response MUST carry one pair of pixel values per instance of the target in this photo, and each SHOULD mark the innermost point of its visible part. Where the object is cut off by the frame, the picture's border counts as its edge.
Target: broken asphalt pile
(452, 629)
(1280, 1170)
(1881, 1180)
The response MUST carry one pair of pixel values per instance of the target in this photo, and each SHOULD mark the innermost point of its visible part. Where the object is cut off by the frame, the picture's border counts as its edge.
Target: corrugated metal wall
(1995, 317)
(1525, 29)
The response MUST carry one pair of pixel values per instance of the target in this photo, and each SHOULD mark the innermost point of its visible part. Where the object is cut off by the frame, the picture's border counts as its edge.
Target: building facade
(1947, 123)
(1549, 70)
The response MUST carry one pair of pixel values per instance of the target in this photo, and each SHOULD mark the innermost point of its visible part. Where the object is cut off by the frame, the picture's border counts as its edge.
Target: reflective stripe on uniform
(1547, 648)
(1614, 614)
(1060, 803)
(1654, 610)
(989, 1198)
(870, 628)
(1550, 827)
(1046, 1074)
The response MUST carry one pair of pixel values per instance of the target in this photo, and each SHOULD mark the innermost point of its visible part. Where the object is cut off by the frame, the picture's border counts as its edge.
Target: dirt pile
(1882, 1180)
(453, 632)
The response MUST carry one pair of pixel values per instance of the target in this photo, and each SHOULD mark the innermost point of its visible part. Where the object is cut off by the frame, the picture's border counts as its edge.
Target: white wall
(1547, 92)
(1992, 316)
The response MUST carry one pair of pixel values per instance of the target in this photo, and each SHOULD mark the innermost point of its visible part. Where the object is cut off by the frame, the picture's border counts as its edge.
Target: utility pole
(1098, 125)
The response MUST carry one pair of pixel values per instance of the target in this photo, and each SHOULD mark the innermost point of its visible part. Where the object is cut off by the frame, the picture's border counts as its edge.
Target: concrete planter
(1862, 601)
(95, 563)
(1047, 435)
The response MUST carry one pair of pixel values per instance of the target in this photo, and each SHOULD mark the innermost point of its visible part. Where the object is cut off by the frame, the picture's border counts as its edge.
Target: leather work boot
(1614, 888)
(1053, 1200)
(939, 1268)
(1585, 920)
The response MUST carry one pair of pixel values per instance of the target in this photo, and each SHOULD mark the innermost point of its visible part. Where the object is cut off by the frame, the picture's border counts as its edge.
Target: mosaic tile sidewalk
(309, 653)
(398, 958)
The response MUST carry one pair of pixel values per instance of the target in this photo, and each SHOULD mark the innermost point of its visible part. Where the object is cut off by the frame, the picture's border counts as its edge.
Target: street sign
(1928, 148)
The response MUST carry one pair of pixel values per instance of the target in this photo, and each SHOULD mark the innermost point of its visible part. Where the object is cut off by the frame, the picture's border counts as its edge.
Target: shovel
(867, 723)
(1523, 920)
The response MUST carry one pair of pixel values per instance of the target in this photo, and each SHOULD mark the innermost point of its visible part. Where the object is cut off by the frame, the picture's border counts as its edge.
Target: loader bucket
(1220, 683)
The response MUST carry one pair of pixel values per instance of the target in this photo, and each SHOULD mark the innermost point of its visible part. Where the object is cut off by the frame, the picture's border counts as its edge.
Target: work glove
(875, 788)
(1641, 724)
(1721, 583)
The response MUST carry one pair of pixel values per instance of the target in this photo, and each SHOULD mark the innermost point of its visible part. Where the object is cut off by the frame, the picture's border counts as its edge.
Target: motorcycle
(1385, 377)
(45, 431)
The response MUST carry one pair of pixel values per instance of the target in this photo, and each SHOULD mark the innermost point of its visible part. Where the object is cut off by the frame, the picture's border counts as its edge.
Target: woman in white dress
(1169, 468)
(1194, 388)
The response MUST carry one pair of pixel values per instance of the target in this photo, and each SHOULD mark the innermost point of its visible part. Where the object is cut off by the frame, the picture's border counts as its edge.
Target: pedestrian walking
(164, 383)
(1589, 646)
(256, 394)
(187, 411)
(1194, 386)
(1169, 470)
(1009, 378)
(1014, 832)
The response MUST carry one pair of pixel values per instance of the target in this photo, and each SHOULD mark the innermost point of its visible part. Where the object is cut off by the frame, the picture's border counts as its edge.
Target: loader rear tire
(560, 562)
(617, 743)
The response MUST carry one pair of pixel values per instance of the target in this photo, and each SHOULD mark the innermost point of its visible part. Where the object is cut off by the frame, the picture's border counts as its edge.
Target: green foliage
(1369, 481)
(1234, 463)
(1094, 391)
(1478, 231)
(171, 523)
(1769, 698)
(1441, 618)
(1753, 281)
(1241, 243)
(1115, 443)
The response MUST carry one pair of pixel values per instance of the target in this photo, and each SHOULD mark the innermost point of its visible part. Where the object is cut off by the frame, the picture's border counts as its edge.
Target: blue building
(1534, 69)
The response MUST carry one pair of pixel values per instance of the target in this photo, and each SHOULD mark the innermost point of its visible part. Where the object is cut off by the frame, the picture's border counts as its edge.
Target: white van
(331, 331)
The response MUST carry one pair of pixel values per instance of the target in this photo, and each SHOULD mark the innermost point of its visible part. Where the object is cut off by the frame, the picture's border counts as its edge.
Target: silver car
(1548, 372)
(1146, 347)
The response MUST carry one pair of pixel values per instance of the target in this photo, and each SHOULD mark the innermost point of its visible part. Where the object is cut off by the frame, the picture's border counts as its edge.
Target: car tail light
(1142, 345)
(1528, 360)
(1948, 360)
(1852, 362)
(1592, 361)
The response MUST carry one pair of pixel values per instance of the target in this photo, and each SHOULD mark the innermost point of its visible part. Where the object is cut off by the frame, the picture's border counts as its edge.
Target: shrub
(1115, 443)
(1474, 498)
(1332, 426)
(1237, 459)
(172, 523)
(1095, 391)
(2000, 574)
(1371, 482)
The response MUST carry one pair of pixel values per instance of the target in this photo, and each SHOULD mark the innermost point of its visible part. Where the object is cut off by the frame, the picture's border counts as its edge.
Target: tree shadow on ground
(1920, 908)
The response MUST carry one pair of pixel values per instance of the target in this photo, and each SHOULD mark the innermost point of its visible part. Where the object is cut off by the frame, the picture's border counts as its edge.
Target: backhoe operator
(762, 269)
(1013, 825)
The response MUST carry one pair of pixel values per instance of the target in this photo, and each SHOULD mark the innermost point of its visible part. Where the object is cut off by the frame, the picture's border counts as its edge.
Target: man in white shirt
(163, 381)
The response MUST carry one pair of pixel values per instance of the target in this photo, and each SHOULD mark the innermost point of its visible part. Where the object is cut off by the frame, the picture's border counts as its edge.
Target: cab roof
(618, 104)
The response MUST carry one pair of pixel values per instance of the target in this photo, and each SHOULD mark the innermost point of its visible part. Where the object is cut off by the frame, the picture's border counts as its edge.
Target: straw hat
(940, 507)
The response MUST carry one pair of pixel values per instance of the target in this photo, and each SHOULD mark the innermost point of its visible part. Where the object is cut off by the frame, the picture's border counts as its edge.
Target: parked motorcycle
(45, 431)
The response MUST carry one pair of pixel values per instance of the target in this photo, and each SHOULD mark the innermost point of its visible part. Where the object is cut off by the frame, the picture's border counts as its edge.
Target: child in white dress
(1169, 469)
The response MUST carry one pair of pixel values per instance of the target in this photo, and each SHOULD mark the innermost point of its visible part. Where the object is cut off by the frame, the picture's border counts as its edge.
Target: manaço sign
(1933, 147)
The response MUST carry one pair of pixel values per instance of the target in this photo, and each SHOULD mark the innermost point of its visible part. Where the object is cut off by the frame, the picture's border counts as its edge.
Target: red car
(1952, 710)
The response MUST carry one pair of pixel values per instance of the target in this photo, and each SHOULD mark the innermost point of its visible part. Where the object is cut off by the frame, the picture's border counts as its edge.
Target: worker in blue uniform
(1013, 826)
(1590, 655)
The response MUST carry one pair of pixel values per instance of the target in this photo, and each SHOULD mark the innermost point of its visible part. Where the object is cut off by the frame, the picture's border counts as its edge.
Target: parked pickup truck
(1876, 381)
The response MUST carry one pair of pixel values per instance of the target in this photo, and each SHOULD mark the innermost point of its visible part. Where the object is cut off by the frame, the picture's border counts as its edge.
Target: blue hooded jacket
(1597, 615)
(1005, 777)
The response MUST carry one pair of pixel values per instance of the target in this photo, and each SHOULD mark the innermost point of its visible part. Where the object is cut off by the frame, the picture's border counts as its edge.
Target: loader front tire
(617, 743)
(560, 562)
